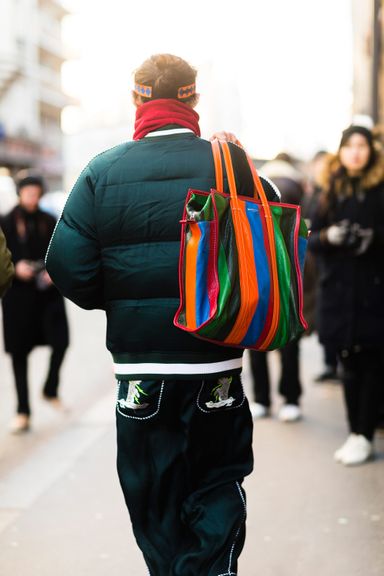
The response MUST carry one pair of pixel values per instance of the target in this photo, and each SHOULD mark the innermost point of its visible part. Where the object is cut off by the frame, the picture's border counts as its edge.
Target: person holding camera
(33, 309)
(348, 237)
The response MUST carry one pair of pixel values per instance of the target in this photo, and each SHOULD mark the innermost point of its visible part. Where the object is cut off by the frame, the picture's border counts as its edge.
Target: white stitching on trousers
(229, 573)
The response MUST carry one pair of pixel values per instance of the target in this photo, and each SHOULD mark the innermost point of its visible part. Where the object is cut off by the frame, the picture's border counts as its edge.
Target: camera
(352, 237)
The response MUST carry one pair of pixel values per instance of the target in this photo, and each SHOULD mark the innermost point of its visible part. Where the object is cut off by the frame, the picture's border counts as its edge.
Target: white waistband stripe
(158, 368)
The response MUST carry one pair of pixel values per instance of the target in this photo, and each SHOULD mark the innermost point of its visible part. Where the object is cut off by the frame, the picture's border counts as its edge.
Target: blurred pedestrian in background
(33, 309)
(289, 181)
(331, 366)
(348, 237)
(314, 170)
(8, 196)
(7, 270)
(184, 429)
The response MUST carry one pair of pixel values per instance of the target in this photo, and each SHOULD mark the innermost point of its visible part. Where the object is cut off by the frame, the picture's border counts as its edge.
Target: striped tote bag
(241, 264)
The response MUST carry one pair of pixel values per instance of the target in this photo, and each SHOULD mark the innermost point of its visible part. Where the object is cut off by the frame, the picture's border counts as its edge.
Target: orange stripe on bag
(249, 294)
(272, 253)
(190, 274)
(248, 280)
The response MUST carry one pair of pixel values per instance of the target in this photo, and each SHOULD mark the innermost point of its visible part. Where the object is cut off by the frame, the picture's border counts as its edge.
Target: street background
(62, 510)
(289, 78)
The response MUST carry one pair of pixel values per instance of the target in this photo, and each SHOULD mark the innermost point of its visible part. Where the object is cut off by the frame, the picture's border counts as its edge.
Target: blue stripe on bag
(302, 244)
(202, 301)
(263, 275)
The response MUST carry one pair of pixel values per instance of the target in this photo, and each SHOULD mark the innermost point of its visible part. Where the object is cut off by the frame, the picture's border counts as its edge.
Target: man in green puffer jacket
(184, 426)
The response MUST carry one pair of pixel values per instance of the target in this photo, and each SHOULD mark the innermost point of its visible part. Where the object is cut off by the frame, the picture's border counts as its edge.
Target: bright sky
(279, 77)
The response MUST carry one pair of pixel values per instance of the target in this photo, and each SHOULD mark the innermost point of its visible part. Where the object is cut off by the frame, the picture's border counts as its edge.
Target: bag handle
(259, 193)
(258, 187)
(218, 165)
(269, 226)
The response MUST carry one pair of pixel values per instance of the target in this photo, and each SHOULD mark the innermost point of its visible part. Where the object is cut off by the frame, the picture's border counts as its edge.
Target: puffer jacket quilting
(116, 247)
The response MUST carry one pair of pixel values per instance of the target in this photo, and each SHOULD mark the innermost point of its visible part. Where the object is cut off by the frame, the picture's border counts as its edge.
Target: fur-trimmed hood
(370, 179)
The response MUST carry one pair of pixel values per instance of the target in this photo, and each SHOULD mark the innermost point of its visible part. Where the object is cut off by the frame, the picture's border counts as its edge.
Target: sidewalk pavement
(62, 510)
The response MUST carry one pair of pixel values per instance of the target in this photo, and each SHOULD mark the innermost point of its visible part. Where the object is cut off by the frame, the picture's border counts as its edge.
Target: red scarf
(158, 113)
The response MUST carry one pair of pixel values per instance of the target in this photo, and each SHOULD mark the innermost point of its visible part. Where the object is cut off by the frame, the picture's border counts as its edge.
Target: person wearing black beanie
(356, 129)
(348, 237)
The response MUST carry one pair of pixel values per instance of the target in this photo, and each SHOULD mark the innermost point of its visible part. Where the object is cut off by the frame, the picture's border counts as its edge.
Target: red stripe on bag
(181, 271)
(213, 285)
(190, 274)
(298, 271)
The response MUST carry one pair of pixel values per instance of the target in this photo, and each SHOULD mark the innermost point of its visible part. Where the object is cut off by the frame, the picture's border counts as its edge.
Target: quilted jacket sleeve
(6, 266)
(73, 257)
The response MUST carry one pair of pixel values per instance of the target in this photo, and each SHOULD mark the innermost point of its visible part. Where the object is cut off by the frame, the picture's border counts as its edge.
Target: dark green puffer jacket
(116, 247)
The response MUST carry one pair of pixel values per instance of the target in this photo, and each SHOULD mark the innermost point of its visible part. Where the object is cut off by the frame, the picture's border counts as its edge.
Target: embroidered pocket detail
(134, 397)
(139, 399)
(225, 393)
(220, 394)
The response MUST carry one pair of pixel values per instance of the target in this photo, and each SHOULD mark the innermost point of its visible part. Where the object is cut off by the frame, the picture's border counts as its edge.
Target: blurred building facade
(368, 57)
(379, 58)
(31, 96)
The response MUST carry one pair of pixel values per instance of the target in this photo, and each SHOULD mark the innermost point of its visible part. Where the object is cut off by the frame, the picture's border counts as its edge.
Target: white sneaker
(289, 413)
(338, 455)
(258, 410)
(56, 403)
(357, 452)
(20, 424)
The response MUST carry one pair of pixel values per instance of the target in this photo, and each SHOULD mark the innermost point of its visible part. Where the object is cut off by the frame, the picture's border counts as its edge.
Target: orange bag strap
(258, 187)
(230, 172)
(269, 225)
(259, 190)
(218, 165)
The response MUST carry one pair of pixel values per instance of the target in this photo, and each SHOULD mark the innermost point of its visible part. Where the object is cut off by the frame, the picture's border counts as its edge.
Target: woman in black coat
(33, 309)
(348, 236)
